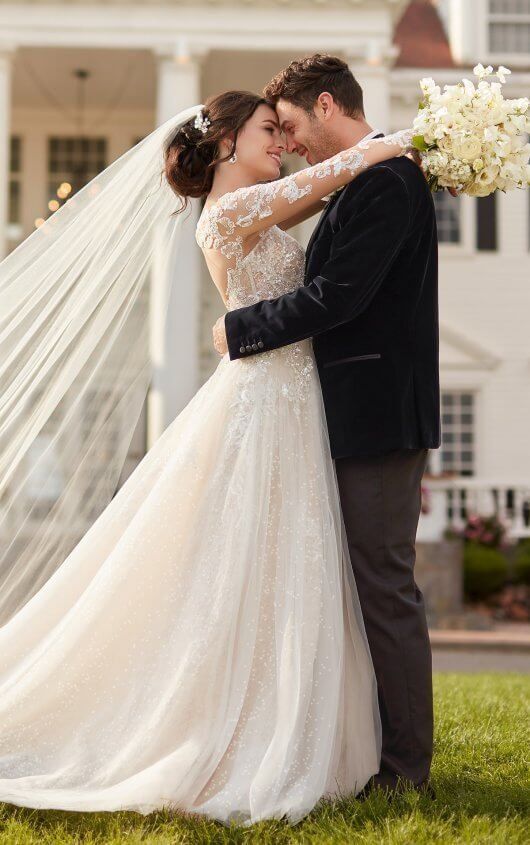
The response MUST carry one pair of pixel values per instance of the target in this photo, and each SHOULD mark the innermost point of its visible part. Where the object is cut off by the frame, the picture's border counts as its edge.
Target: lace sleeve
(249, 210)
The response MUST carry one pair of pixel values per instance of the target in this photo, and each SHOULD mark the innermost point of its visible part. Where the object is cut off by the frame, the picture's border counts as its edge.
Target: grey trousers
(381, 499)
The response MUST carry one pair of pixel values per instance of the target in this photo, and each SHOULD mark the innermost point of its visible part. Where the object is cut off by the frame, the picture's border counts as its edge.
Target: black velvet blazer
(370, 303)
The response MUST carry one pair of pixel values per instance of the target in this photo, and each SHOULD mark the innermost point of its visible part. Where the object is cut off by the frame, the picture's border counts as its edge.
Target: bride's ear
(226, 145)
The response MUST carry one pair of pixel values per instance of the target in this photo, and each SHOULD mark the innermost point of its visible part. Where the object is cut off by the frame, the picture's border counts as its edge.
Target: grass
(481, 774)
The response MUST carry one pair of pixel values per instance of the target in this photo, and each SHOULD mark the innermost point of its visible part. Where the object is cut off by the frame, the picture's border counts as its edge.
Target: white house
(81, 82)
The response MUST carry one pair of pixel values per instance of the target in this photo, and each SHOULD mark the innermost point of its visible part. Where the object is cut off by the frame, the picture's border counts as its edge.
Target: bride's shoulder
(235, 210)
(214, 227)
(230, 200)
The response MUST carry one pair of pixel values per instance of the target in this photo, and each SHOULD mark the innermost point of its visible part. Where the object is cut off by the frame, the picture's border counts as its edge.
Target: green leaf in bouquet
(418, 142)
(421, 105)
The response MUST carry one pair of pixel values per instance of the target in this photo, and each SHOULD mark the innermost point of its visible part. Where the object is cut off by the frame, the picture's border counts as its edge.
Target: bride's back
(245, 270)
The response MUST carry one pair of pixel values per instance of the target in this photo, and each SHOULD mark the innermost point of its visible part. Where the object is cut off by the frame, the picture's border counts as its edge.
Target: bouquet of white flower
(472, 139)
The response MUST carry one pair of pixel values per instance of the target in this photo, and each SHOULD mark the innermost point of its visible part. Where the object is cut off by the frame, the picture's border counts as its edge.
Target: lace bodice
(275, 265)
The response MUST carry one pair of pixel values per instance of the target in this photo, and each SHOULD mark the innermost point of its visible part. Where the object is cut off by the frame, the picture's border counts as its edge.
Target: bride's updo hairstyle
(191, 156)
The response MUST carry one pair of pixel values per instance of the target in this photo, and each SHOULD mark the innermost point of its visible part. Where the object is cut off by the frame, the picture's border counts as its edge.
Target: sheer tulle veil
(75, 363)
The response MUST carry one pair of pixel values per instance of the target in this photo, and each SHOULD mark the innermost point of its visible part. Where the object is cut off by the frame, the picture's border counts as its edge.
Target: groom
(370, 304)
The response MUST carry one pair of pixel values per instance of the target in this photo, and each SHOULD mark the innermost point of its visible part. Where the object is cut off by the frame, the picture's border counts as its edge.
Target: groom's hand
(219, 336)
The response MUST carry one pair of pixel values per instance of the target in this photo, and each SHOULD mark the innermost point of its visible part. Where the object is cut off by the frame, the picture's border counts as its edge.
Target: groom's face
(305, 133)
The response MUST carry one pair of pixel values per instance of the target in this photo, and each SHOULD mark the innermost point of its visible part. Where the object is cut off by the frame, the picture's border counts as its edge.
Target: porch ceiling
(123, 77)
(126, 79)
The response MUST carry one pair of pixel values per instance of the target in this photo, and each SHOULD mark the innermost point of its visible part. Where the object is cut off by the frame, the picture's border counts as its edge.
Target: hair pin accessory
(201, 122)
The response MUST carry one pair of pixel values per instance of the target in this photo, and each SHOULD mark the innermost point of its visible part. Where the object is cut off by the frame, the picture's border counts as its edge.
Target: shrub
(485, 569)
(522, 562)
(487, 530)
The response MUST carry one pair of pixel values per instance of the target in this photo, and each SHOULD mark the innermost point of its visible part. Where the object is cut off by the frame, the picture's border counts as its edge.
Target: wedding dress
(202, 647)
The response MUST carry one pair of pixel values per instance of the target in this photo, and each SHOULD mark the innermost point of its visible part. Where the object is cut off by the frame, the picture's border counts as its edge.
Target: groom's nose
(290, 145)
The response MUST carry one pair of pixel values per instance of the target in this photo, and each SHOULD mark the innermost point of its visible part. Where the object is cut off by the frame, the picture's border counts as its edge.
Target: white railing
(451, 501)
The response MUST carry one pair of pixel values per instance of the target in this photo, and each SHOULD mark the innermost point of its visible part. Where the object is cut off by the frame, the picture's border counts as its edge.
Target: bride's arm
(249, 210)
(316, 208)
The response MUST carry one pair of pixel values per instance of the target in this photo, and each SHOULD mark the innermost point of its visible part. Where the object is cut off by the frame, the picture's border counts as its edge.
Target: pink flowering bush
(486, 530)
(485, 565)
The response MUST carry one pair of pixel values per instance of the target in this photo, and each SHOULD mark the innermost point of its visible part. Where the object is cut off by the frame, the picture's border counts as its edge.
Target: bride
(201, 648)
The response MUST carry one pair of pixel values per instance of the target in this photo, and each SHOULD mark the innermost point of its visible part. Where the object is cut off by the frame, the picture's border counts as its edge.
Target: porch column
(372, 73)
(6, 60)
(175, 346)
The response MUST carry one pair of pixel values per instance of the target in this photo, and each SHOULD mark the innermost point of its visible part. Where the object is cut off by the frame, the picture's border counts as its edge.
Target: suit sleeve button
(260, 344)
(255, 347)
(248, 348)
(241, 348)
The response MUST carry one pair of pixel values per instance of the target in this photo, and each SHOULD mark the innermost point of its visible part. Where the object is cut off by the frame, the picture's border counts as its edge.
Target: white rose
(478, 164)
(467, 149)
(478, 190)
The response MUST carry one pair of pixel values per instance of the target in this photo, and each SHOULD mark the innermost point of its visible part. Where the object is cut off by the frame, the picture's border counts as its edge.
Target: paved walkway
(504, 649)
(482, 660)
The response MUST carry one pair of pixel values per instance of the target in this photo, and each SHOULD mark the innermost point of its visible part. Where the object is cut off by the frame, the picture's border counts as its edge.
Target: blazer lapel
(331, 202)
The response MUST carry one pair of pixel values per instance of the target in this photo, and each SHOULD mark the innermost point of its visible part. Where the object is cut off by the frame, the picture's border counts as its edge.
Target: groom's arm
(361, 252)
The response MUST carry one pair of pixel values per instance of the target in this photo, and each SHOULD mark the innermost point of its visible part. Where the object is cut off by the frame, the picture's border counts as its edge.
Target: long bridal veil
(75, 364)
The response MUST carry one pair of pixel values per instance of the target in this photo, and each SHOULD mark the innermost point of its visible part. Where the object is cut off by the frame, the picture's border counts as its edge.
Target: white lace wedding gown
(202, 647)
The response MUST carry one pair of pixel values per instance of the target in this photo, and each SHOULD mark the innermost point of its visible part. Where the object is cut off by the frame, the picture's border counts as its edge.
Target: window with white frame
(509, 26)
(458, 432)
(15, 183)
(448, 217)
(75, 160)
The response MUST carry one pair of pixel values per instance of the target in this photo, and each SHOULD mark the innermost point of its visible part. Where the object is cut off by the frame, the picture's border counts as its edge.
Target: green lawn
(481, 773)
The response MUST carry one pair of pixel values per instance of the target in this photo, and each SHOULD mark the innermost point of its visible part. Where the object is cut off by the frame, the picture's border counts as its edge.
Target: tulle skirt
(202, 647)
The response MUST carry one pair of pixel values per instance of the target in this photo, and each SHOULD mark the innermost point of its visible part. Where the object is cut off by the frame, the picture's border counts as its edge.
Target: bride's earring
(233, 158)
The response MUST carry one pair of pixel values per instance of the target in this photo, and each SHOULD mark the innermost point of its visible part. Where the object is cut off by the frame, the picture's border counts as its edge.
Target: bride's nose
(280, 143)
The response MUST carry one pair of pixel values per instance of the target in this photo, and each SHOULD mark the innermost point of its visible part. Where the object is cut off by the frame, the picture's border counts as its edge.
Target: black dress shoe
(427, 789)
(394, 789)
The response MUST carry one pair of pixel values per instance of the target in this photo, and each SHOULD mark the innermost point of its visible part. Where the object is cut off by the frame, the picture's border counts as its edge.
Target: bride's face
(260, 145)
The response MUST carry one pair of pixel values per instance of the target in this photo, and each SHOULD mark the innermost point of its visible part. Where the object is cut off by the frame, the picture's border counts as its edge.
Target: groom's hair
(302, 82)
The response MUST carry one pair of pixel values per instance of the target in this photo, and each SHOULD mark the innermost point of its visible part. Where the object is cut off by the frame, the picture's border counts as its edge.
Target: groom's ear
(325, 106)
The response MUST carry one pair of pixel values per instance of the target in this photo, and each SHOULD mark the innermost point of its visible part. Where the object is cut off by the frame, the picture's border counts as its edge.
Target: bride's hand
(414, 156)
